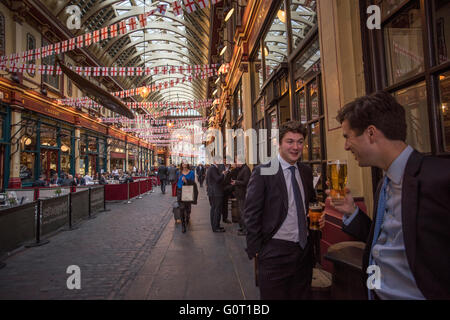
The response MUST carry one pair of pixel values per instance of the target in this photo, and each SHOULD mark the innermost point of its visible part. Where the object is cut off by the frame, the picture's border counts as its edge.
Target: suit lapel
(410, 206)
(282, 183)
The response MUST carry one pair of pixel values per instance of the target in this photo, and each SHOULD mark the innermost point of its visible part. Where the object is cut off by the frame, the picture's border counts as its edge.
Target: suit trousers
(163, 185)
(241, 213)
(216, 211)
(285, 270)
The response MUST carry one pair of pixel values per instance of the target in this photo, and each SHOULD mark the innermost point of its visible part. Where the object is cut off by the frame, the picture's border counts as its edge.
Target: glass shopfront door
(2, 166)
(49, 162)
(92, 166)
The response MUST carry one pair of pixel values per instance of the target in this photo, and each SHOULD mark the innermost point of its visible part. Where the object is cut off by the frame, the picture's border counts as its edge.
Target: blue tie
(302, 230)
(381, 209)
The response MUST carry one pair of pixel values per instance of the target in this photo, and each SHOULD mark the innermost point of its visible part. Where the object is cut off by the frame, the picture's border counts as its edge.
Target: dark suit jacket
(266, 204)
(425, 224)
(242, 180)
(162, 173)
(214, 179)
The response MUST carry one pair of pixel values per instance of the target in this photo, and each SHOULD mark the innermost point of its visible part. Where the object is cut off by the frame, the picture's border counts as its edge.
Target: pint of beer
(315, 213)
(337, 178)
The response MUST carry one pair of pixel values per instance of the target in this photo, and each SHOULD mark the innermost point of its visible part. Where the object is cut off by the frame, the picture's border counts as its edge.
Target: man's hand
(322, 222)
(346, 206)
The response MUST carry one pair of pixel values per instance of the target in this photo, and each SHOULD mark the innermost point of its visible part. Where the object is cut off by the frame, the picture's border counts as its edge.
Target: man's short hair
(294, 127)
(380, 110)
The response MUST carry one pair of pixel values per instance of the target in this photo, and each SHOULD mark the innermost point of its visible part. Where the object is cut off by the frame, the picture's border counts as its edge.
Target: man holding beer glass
(275, 213)
(409, 238)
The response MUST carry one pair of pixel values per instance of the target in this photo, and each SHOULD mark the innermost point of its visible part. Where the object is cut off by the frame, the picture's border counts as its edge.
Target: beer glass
(337, 178)
(315, 213)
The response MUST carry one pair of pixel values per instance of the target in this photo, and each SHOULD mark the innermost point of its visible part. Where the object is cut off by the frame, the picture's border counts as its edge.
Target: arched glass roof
(167, 39)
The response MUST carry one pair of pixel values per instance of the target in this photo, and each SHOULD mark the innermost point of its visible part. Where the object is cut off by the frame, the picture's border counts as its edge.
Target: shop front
(92, 153)
(4, 146)
(133, 158)
(46, 148)
(117, 155)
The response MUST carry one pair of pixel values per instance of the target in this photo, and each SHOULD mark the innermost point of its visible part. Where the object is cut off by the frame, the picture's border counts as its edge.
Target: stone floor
(136, 251)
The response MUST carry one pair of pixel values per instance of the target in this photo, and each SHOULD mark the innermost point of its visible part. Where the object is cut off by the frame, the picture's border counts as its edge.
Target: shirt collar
(397, 168)
(284, 164)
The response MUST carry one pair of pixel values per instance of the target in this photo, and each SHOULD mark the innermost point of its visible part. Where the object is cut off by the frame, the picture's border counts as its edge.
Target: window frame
(375, 66)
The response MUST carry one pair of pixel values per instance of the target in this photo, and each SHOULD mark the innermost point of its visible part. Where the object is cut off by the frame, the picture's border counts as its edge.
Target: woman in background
(186, 177)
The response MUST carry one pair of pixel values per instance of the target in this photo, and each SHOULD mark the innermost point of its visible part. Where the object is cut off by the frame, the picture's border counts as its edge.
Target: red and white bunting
(177, 9)
(113, 30)
(107, 32)
(189, 5)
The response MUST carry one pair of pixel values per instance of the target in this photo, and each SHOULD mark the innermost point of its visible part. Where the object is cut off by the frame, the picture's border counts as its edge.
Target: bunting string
(108, 32)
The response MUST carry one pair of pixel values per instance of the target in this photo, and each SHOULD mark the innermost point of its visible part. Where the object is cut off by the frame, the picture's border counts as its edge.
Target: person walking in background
(173, 179)
(162, 175)
(409, 237)
(275, 217)
(186, 177)
(227, 190)
(201, 172)
(240, 190)
(215, 179)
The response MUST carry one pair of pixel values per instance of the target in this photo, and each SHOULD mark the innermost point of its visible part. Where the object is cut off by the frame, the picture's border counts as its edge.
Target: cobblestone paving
(109, 250)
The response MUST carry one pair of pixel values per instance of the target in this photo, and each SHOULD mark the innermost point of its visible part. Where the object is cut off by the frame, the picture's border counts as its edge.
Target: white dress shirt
(289, 229)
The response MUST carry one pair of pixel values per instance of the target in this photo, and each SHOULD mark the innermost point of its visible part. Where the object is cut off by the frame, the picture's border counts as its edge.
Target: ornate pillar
(14, 172)
(125, 167)
(77, 150)
(108, 155)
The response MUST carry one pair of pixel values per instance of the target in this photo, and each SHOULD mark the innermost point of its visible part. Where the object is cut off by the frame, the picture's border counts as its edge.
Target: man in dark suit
(214, 178)
(162, 175)
(200, 174)
(409, 239)
(240, 190)
(276, 209)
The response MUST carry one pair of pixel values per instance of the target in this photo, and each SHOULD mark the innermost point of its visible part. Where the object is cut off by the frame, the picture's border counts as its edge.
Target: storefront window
(27, 167)
(445, 106)
(28, 141)
(307, 64)
(275, 43)
(31, 45)
(1, 127)
(2, 35)
(404, 45)
(52, 80)
(48, 136)
(83, 144)
(315, 139)
(302, 105)
(442, 30)
(303, 19)
(257, 73)
(65, 137)
(93, 144)
(388, 6)
(314, 96)
(414, 100)
(305, 156)
(49, 162)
